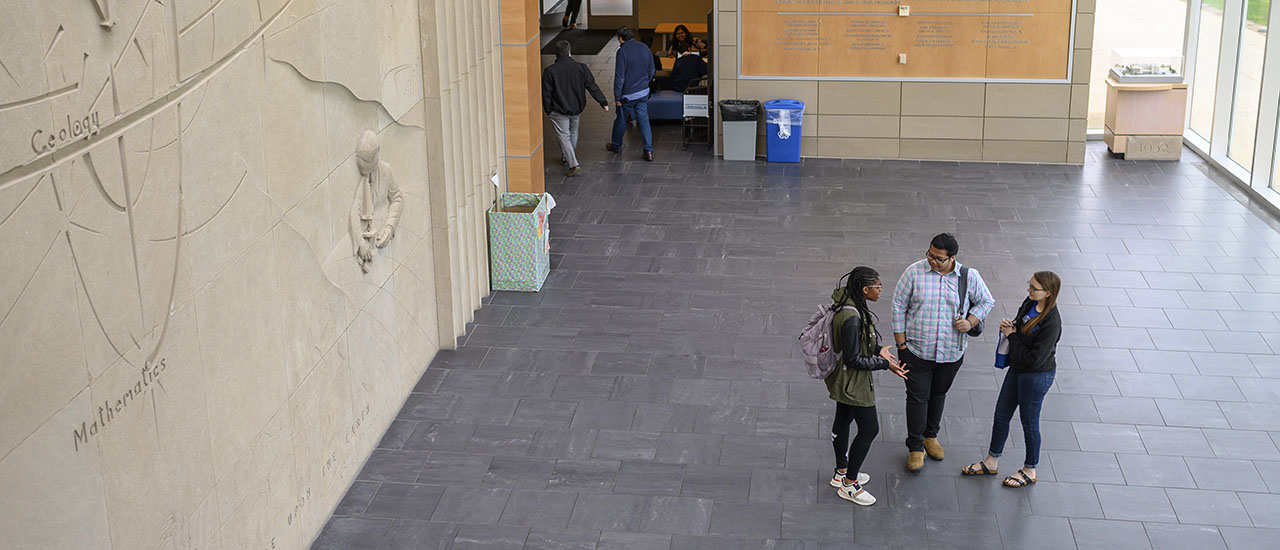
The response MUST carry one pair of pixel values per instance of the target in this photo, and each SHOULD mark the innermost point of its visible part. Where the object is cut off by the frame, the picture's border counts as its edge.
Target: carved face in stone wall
(367, 153)
(366, 165)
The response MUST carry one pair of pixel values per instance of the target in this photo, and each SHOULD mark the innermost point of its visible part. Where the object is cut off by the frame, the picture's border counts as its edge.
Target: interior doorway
(554, 12)
(611, 14)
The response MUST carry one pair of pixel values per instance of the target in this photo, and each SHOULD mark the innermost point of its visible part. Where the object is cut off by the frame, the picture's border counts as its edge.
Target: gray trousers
(567, 131)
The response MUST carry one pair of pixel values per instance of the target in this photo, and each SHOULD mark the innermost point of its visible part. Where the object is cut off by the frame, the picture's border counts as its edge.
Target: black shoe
(648, 155)
(565, 22)
(610, 147)
(573, 171)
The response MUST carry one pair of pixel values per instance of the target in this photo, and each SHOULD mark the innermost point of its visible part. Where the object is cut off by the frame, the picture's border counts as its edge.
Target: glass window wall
(1248, 83)
(1130, 24)
(1204, 84)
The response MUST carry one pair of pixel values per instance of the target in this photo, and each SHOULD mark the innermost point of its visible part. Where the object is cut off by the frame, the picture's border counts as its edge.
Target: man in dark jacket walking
(563, 99)
(632, 73)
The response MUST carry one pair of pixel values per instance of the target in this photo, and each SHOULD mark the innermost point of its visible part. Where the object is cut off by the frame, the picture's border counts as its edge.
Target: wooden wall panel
(1046, 61)
(521, 172)
(939, 119)
(515, 28)
(533, 93)
(515, 92)
(769, 54)
(942, 39)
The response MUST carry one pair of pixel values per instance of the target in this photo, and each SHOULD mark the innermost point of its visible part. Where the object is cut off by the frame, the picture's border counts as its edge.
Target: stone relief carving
(377, 189)
(390, 74)
(148, 229)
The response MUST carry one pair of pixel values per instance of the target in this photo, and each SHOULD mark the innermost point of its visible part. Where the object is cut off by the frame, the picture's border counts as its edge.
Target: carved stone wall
(190, 355)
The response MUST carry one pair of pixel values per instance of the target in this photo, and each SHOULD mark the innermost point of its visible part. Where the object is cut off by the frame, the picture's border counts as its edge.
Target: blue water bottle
(1002, 352)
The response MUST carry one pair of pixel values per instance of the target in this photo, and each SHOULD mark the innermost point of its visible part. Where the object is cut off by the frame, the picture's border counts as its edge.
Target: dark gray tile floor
(651, 397)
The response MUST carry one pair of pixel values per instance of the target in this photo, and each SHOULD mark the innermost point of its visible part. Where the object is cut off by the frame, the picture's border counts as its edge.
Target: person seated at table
(657, 59)
(689, 67)
(680, 37)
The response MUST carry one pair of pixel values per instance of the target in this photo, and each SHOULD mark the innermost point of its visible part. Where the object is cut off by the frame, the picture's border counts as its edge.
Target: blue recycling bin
(782, 119)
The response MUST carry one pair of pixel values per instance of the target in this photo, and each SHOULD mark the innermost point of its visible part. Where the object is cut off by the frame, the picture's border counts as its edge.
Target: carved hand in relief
(384, 236)
(364, 251)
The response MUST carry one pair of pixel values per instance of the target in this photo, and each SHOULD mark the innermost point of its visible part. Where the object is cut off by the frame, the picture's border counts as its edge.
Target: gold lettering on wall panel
(940, 39)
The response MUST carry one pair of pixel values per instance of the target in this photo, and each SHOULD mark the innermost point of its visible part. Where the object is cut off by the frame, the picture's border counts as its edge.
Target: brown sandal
(985, 471)
(1018, 480)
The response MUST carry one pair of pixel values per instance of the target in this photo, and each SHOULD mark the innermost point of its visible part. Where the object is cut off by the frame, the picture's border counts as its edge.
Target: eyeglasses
(1034, 289)
(936, 259)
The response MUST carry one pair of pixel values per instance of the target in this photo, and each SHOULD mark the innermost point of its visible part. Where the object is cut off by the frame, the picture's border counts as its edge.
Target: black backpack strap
(963, 289)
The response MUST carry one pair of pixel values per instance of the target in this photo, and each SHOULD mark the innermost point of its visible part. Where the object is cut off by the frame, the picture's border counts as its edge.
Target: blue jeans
(1024, 391)
(639, 110)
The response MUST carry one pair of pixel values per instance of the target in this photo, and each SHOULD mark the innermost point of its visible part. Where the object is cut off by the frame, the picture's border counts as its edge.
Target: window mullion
(1224, 95)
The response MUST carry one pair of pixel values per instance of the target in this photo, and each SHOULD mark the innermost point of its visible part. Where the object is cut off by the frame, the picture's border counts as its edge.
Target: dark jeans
(927, 386)
(637, 109)
(1024, 391)
(571, 11)
(850, 455)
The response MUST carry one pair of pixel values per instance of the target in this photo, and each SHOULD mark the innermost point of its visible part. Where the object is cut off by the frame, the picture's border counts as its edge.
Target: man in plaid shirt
(930, 327)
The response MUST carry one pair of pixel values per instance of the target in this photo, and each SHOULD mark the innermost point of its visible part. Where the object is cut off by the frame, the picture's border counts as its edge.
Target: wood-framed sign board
(907, 40)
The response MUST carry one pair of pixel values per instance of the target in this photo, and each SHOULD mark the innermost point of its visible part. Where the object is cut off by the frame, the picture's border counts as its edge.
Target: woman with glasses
(854, 336)
(1033, 340)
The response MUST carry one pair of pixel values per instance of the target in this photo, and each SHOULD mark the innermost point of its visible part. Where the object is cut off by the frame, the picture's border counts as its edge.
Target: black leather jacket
(1035, 352)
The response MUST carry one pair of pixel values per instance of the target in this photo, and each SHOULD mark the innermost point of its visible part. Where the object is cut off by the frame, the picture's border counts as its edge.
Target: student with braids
(854, 336)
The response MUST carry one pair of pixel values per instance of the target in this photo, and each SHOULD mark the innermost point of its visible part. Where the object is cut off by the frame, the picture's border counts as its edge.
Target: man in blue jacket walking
(632, 73)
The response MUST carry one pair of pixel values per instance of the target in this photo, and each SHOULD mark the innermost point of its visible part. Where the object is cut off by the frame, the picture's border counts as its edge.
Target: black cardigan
(1035, 352)
(850, 339)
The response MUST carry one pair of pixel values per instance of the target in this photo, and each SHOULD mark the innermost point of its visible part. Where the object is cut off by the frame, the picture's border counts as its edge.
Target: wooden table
(668, 63)
(667, 29)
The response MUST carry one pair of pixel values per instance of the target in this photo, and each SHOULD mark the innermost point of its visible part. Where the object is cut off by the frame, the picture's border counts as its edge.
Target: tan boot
(932, 447)
(915, 461)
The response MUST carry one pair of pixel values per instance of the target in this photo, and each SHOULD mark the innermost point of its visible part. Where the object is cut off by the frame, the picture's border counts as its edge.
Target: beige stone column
(522, 95)
(464, 147)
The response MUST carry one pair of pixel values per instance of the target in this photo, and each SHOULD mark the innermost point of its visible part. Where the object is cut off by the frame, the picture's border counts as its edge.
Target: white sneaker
(856, 494)
(838, 480)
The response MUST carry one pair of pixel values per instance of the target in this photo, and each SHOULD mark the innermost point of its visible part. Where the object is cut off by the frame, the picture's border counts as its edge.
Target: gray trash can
(739, 119)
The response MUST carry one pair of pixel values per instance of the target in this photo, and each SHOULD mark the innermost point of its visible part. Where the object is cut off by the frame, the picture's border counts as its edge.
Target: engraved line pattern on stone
(146, 167)
(93, 308)
(104, 12)
(89, 229)
(65, 90)
(57, 36)
(177, 257)
(57, 194)
(230, 197)
(97, 183)
(133, 34)
(17, 300)
(133, 231)
(127, 122)
(200, 18)
(350, 92)
(6, 71)
(21, 202)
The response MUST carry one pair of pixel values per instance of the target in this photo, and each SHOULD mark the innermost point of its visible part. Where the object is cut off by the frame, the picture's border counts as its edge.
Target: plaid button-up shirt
(926, 304)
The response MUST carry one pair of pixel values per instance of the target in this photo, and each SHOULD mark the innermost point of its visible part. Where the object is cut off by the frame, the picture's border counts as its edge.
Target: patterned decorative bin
(519, 242)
